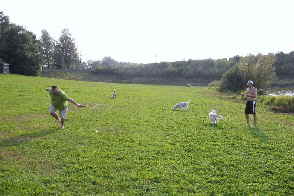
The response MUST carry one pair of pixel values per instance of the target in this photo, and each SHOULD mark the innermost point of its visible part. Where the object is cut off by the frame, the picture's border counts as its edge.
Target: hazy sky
(161, 30)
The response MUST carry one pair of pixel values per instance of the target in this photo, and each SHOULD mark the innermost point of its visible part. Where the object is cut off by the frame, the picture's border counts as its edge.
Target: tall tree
(4, 26)
(19, 48)
(4, 23)
(22, 51)
(47, 49)
(66, 51)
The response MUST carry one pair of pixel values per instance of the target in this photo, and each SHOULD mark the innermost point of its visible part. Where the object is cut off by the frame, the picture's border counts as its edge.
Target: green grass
(135, 145)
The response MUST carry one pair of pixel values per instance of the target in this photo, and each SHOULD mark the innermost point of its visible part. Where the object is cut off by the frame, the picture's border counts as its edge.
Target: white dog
(182, 105)
(214, 117)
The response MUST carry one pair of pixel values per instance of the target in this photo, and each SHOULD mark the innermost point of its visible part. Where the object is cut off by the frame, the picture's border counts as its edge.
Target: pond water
(282, 93)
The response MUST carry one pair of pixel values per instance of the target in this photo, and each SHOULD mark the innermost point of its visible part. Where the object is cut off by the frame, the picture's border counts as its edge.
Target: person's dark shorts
(250, 107)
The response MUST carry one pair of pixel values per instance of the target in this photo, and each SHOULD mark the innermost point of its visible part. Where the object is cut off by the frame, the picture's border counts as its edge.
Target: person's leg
(247, 110)
(53, 113)
(254, 117)
(247, 119)
(254, 113)
(62, 123)
(63, 115)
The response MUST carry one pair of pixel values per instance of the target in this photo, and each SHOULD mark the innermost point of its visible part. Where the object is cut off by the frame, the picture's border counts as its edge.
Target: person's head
(250, 83)
(54, 88)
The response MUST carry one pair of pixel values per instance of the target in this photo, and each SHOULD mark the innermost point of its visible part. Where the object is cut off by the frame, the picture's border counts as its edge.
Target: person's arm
(247, 93)
(75, 103)
(252, 94)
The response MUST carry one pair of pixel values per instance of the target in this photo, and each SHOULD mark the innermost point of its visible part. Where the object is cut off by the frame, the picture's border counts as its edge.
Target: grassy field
(135, 145)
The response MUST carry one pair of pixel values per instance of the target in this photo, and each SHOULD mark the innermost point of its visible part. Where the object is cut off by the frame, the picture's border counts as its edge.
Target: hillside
(136, 145)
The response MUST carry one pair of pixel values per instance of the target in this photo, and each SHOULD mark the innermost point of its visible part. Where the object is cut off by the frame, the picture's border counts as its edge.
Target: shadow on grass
(258, 133)
(218, 126)
(179, 110)
(23, 138)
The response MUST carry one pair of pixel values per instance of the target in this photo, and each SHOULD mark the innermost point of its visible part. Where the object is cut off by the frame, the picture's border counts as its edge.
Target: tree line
(207, 69)
(232, 72)
(27, 55)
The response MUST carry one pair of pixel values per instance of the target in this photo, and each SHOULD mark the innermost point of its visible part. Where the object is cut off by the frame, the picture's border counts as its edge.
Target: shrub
(261, 92)
(279, 103)
(215, 84)
(267, 100)
(257, 68)
(232, 80)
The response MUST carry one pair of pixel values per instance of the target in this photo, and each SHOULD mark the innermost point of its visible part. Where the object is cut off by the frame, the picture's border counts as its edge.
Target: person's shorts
(250, 107)
(63, 112)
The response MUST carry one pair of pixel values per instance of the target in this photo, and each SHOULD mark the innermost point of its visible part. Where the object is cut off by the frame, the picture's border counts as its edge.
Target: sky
(145, 31)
